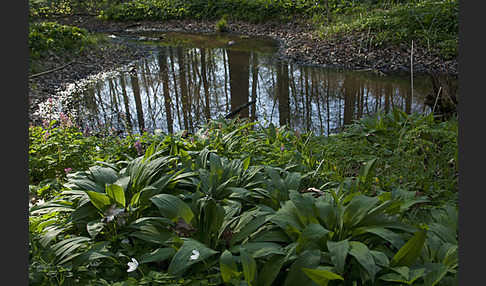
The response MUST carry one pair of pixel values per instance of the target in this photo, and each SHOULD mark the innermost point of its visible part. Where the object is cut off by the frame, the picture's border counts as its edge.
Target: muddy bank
(299, 43)
(55, 73)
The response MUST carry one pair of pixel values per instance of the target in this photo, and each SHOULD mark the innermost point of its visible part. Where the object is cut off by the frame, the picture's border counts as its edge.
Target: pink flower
(138, 146)
(68, 170)
(45, 123)
(282, 148)
(65, 120)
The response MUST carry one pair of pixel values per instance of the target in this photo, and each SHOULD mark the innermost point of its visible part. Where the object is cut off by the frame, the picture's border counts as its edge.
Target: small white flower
(158, 131)
(195, 255)
(132, 266)
(97, 148)
(112, 212)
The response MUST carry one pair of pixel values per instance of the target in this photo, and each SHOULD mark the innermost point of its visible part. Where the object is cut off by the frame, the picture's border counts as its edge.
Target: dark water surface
(190, 78)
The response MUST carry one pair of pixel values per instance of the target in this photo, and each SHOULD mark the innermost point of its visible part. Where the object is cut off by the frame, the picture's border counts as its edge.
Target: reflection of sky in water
(316, 96)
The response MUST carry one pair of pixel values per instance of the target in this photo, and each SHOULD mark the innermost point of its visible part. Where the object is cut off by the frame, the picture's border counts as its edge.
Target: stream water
(190, 78)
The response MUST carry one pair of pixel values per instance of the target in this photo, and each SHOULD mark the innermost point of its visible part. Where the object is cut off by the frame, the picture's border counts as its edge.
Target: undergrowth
(433, 24)
(52, 38)
(235, 203)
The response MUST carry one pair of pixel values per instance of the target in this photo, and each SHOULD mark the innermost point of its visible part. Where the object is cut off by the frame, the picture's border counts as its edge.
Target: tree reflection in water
(181, 87)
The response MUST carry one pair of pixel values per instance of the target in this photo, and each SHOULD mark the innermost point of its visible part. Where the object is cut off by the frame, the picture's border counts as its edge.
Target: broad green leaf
(160, 254)
(313, 236)
(172, 207)
(67, 247)
(247, 225)
(304, 204)
(404, 271)
(191, 252)
(338, 251)
(287, 216)
(321, 276)
(227, 266)
(99, 200)
(357, 209)
(293, 181)
(416, 273)
(270, 270)
(367, 168)
(436, 272)
(380, 258)
(135, 199)
(249, 266)
(211, 218)
(410, 251)
(295, 276)
(326, 213)
(273, 235)
(152, 234)
(50, 234)
(393, 277)
(150, 151)
(262, 249)
(103, 175)
(94, 227)
(363, 255)
(246, 163)
(116, 193)
(97, 250)
(150, 220)
(388, 235)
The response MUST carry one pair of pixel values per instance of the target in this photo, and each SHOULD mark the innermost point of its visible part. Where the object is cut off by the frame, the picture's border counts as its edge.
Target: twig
(436, 99)
(49, 71)
(238, 109)
(411, 71)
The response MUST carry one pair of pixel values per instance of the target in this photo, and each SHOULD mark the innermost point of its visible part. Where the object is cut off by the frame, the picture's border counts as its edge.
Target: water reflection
(181, 87)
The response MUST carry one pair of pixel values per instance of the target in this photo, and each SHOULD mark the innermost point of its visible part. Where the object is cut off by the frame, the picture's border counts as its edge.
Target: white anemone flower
(158, 131)
(132, 265)
(195, 255)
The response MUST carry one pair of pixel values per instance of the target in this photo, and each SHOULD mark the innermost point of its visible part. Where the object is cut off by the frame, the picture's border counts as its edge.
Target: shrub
(52, 37)
(193, 209)
(222, 24)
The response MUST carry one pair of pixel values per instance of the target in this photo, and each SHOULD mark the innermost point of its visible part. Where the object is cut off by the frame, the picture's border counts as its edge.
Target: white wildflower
(112, 212)
(132, 265)
(158, 132)
(98, 148)
(195, 255)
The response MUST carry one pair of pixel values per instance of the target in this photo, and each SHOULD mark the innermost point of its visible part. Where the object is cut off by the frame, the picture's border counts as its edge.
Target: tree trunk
(164, 76)
(239, 79)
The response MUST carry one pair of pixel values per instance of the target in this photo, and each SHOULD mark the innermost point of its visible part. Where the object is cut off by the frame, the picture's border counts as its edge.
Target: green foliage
(222, 24)
(433, 24)
(195, 210)
(52, 37)
(44, 9)
(249, 10)
(60, 148)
